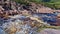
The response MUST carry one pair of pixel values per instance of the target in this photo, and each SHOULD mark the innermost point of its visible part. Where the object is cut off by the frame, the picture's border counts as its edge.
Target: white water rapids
(17, 21)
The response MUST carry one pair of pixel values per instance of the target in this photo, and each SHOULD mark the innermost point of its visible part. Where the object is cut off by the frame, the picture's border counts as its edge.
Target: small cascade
(16, 25)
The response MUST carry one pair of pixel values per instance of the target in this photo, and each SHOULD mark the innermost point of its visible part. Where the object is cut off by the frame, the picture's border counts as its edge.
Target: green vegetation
(55, 4)
(21, 1)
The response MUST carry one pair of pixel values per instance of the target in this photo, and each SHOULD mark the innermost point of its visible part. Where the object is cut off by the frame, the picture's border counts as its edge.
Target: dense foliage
(55, 4)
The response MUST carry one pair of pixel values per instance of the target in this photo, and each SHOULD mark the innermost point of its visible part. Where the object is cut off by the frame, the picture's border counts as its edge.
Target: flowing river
(17, 24)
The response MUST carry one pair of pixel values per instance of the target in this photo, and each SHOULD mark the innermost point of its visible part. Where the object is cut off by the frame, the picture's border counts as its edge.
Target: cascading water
(16, 25)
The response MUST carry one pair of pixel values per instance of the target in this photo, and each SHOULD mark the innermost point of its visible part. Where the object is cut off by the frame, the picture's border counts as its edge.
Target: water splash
(17, 26)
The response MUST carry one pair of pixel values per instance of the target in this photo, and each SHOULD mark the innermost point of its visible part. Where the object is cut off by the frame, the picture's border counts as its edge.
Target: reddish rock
(45, 10)
(58, 22)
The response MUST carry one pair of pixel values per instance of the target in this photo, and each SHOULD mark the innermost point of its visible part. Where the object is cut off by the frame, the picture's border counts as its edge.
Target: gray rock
(50, 31)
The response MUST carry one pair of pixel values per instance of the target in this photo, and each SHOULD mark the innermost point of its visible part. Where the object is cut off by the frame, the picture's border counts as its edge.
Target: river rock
(50, 31)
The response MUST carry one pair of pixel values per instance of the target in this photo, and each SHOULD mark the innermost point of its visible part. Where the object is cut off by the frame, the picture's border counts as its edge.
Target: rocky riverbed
(19, 24)
(33, 18)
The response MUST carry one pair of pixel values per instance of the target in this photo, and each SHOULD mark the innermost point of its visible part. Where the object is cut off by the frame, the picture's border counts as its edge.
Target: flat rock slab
(50, 31)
